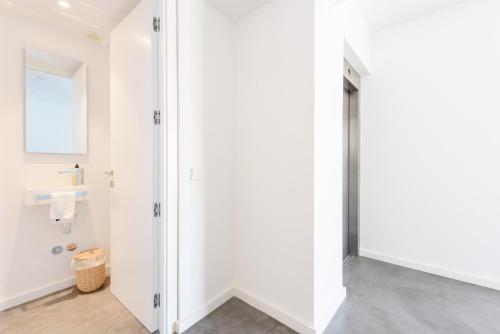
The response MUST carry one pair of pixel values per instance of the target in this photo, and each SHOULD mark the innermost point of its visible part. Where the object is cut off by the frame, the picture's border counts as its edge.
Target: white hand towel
(62, 207)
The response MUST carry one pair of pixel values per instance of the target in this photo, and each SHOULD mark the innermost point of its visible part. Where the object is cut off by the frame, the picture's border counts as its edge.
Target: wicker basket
(90, 269)
(91, 279)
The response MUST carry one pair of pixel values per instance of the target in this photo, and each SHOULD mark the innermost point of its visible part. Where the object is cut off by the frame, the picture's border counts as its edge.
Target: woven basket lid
(90, 255)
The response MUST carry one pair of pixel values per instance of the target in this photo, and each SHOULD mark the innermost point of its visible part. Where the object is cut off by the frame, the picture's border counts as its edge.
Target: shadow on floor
(73, 293)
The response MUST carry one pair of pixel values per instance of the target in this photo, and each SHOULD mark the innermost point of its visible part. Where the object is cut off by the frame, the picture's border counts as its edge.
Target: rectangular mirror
(56, 103)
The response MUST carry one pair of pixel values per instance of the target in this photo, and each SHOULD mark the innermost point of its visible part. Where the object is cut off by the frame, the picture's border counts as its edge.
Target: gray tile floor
(237, 317)
(386, 299)
(382, 299)
(71, 312)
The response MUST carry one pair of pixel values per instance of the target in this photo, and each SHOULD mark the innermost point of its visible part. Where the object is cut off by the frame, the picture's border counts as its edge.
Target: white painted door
(134, 161)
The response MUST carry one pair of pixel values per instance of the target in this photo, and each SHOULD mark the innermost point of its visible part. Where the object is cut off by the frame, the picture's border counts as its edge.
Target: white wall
(430, 183)
(340, 31)
(206, 139)
(274, 158)
(285, 121)
(328, 70)
(357, 35)
(26, 236)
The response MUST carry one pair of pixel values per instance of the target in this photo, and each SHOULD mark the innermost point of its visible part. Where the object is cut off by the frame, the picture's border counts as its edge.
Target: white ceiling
(97, 17)
(237, 9)
(382, 14)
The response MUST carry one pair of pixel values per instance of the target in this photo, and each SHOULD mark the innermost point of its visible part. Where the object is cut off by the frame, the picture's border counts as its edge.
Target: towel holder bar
(46, 197)
(41, 196)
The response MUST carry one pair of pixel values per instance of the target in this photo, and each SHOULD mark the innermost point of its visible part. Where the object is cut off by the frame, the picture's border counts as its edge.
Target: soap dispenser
(74, 177)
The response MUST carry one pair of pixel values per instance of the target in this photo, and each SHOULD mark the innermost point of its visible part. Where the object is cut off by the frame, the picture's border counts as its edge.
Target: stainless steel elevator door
(345, 176)
(350, 173)
(353, 172)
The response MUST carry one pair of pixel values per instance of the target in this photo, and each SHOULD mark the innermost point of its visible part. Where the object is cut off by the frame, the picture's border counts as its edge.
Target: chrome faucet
(76, 170)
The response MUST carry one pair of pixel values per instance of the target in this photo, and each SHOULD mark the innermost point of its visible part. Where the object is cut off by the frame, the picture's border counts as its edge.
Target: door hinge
(156, 24)
(156, 300)
(156, 117)
(157, 209)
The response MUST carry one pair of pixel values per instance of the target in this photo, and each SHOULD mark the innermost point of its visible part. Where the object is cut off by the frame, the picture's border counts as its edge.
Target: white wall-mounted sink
(41, 196)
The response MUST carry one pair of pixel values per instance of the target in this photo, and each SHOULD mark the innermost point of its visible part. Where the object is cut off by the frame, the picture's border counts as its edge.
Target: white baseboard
(294, 322)
(330, 312)
(203, 311)
(432, 269)
(36, 293)
(277, 313)
(39, 292)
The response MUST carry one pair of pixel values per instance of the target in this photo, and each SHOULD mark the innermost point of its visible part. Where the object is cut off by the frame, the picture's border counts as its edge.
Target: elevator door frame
(352, 83)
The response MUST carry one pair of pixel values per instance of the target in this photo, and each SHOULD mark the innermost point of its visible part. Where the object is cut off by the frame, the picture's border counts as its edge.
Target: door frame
(168, 165)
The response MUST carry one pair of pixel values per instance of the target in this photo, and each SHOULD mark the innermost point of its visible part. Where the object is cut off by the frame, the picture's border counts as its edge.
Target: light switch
(195, 175)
